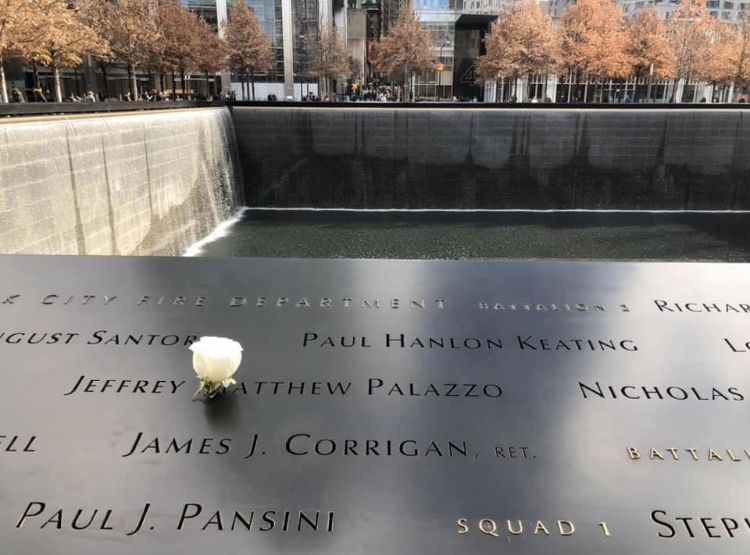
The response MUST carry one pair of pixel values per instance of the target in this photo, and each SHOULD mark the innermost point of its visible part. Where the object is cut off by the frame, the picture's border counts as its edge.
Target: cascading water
(564, 157)
(150, 183)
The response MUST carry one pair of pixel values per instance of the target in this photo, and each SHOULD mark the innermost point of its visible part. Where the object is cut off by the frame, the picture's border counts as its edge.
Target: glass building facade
(457, 37)
(268, 13)
(206, 9)
(293, 26)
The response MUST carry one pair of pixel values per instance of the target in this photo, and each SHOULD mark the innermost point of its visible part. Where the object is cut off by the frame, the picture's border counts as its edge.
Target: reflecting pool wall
(485, 158)
(132, 184)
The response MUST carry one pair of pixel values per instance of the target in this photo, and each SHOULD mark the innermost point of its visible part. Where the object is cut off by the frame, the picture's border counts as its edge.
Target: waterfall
(130, 184)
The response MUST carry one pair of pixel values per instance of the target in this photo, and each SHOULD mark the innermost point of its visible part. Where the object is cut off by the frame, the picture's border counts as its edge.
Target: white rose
(215, 360)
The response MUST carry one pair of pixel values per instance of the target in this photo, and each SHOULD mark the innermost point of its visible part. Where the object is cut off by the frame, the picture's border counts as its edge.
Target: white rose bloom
(215, 360)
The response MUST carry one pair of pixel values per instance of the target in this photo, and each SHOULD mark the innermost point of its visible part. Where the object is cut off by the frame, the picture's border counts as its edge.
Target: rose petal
(216, 359)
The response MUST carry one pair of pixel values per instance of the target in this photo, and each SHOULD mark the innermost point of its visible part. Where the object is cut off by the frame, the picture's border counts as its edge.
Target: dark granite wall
(387, 157)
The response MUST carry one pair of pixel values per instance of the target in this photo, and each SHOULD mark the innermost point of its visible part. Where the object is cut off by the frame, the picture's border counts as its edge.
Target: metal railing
(21, 109)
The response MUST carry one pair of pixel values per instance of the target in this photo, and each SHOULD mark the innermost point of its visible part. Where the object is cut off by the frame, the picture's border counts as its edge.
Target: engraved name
(699, 307)
(521, 342)
(301, 444)
(185, 446)
(372, 387)
(691, 527)
(99, 337)
(112, 385)
(254, 519)
(192, 516)
(656, 393)
(305, 444)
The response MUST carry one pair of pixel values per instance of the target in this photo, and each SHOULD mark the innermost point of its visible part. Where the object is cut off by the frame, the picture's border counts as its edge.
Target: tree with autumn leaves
(691, 35)
(61, 38)
(739, 52)
(159, 36)
(15, 33)
(129, 29)
(407, 50)
(589, 44)
(250, 49)
(327, 57)
(184, 43)
(592, 42)
(648, 47)
(50, 33)
(720, 68)
(213, 55)
(521, 43)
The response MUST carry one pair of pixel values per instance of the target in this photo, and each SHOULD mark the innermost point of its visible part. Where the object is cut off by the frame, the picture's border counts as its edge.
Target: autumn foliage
(249, 46)
(15, 28)
(328, 57)
(739, 54)
(721, 66)
(690, 33)
(648, 45)
(592, 45)
(155, 36)
(60, 38)
(522, 42)
(407, 50)
(129, 29)
(593, 40)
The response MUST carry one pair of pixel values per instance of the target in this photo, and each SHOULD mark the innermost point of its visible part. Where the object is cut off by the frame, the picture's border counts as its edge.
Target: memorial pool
(673, 236)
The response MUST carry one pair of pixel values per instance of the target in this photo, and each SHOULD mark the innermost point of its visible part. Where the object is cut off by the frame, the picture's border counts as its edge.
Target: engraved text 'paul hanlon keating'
(519, 342)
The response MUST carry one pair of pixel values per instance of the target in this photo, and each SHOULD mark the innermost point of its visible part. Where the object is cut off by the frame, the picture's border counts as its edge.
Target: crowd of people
(39, 94)
(381, 94)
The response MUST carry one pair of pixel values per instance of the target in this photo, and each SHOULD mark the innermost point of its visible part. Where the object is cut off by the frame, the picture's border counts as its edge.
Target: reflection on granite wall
(150, 183)
(485, 158)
